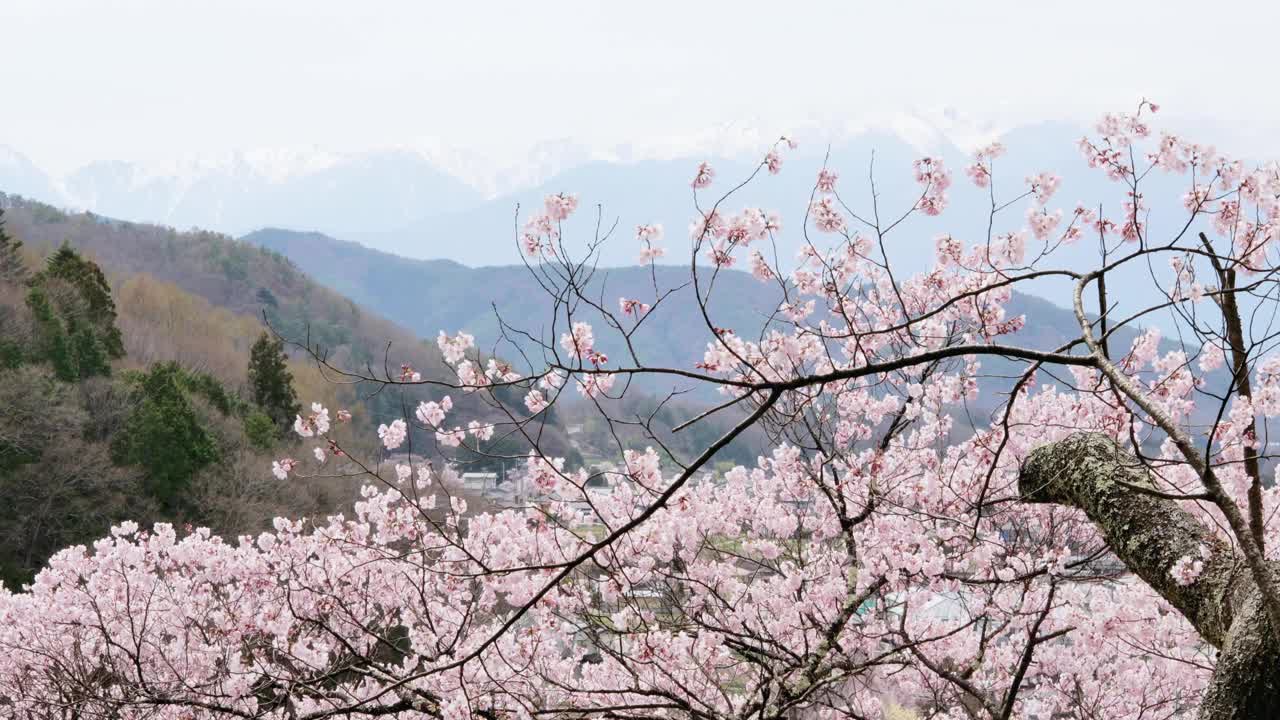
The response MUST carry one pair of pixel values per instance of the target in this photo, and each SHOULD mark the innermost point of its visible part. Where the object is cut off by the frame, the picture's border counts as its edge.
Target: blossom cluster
(874, 550)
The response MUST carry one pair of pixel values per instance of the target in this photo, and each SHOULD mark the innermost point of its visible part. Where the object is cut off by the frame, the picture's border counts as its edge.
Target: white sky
(100, 79)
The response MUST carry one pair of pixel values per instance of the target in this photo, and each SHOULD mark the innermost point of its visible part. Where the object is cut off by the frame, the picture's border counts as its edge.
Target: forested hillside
(245, 281)
(429, 294)
(228, 274)
(107, 419)
(132, 360)
(426, 295)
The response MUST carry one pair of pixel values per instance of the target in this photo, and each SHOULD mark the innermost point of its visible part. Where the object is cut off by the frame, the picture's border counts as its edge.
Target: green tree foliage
(82, 448)
(91, 285)
(74, 318)
(260, 430)
(90, 355)
(271, 383)
(12, 267)
(164, 435)
(52, 344)
(208, 387)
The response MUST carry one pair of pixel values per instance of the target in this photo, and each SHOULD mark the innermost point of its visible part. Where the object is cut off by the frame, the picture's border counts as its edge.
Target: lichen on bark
(1148, 533)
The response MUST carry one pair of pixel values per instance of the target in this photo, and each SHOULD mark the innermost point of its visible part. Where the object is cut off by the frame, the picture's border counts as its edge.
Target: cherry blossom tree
(1101, 544)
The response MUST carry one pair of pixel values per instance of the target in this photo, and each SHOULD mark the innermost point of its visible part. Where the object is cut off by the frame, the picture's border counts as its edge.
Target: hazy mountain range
(433, 202)
(430, 200)
(436, 203)
(431, 252)
(220, 191)
(428, 296)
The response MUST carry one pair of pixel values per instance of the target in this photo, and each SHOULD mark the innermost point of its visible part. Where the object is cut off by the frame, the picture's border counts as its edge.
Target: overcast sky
(97, 79)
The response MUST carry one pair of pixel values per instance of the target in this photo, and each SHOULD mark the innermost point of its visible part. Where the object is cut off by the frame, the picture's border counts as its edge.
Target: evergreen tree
(52, 344)
(271, 383)
(90, 356)
(87, 278)
(165, 436)
(75, 318)
(260, 430)
(12, 267)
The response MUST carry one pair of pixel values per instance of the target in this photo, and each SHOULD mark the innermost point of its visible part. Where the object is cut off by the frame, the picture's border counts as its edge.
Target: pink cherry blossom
(282, 468)
(1042, 222)
(648, 235)
(579, 342)
(826, 217)
(480, 431)
(934, 178)
(393, 435)
(703, 177)
(1043, 186)
(451, 438)
(773, 161)
(535, 401)
(455, 348)
(760, 267)
(632, 307)
(910, 515)
(433, 413)
(561, 205)
(827, 181)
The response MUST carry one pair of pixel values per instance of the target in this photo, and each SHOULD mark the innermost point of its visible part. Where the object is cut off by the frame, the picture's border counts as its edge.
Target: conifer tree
(76, 317)
(88, 279)
(12, 267)
(165, 435)
(271, 383)
(90, 355)
(52, 343)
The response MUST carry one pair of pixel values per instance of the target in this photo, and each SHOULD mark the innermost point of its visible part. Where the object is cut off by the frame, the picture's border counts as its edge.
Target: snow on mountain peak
(278, 165)
(271, 164)
(197, 187)
(928, 130)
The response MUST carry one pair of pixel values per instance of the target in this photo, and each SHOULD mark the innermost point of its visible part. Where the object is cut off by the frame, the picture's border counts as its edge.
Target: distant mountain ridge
(379, 189)
(435, 201)
(428, 296)
(411, 203)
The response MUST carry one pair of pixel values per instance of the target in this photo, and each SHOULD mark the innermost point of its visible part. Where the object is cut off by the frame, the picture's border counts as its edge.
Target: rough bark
(1149, 534)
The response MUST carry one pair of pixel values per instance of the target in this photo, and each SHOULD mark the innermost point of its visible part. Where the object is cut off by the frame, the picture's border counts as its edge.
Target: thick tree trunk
(1149, 534)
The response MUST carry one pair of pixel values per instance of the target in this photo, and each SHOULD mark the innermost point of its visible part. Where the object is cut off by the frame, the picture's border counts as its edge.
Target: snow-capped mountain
(423, 198)
(492, 177)
(18, 175)
(242, 191)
